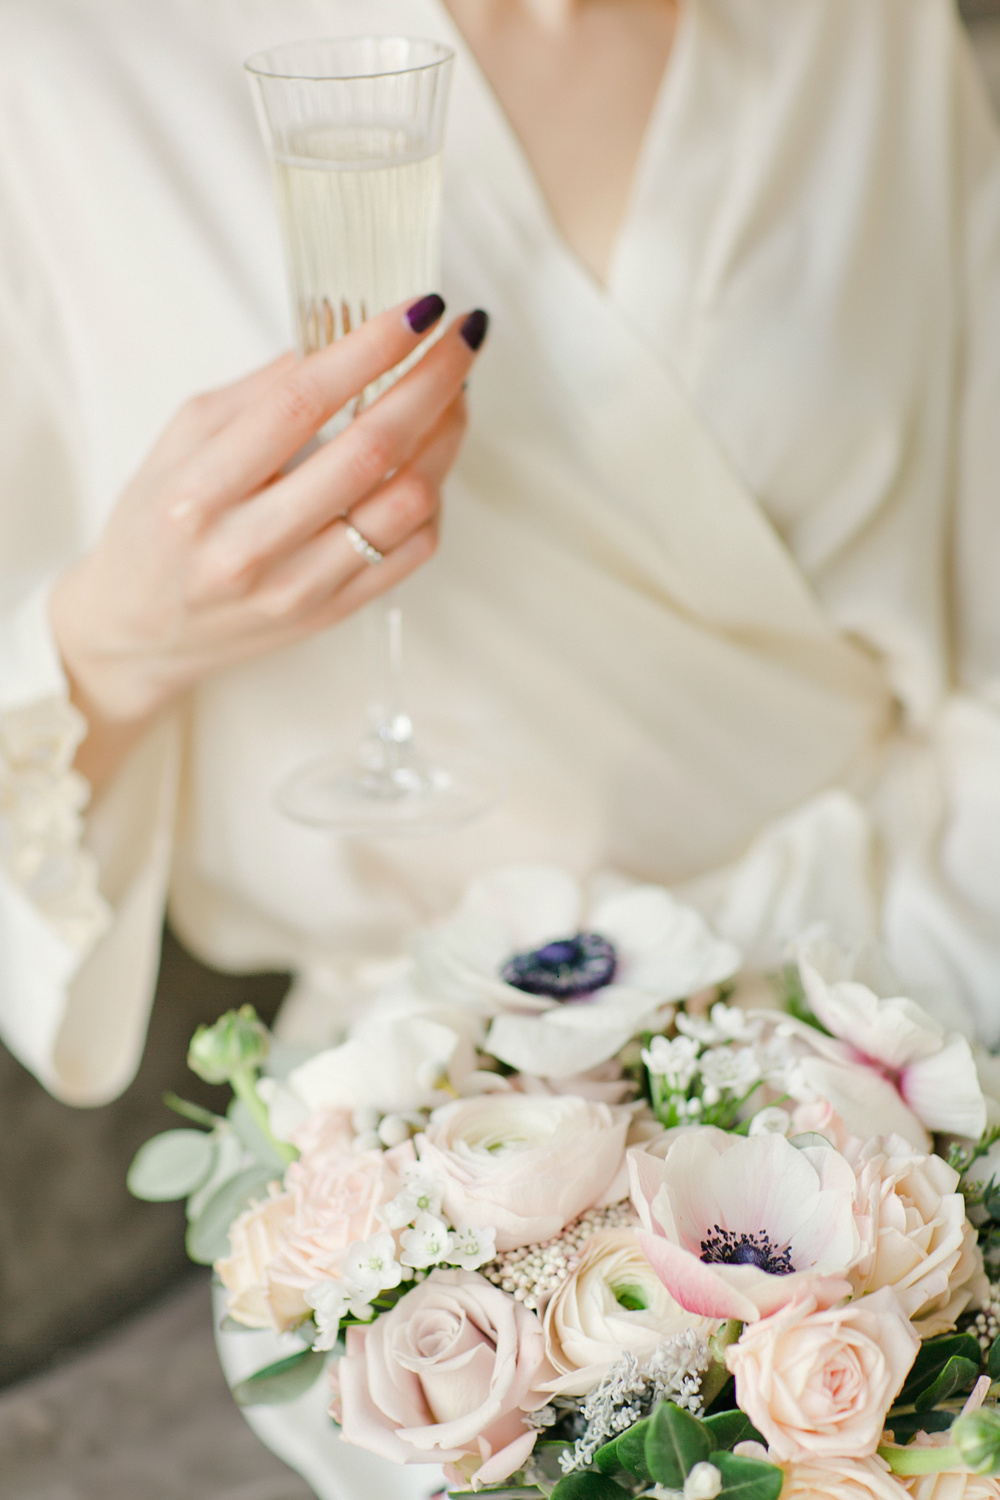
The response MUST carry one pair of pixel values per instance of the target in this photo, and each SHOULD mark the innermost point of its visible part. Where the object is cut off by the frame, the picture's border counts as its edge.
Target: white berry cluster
(532, 1273)
(986, 1323)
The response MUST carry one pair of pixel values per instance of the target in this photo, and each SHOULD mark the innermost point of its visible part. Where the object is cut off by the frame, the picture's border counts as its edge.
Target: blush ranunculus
(915, 1236)
(446, 1376)
(612, 1304)
(524, 1165)
(737, 1226)
(817, 1382)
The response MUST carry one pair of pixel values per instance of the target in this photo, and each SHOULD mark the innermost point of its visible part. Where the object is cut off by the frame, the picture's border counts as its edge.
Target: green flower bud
(236, 1043)
(977, 1438)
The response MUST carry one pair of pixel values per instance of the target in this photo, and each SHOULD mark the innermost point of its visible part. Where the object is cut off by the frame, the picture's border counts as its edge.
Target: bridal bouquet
(579, 1207)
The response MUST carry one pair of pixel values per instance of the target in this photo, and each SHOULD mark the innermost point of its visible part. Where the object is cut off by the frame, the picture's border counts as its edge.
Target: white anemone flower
(567, 976)
(887, 1067)
(738, 1226)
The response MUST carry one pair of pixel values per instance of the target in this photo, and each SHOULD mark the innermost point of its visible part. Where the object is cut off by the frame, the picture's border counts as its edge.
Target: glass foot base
(396, 795)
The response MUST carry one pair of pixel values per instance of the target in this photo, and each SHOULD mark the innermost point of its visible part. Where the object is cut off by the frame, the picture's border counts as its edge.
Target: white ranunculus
(612, 1303)
(660, 951)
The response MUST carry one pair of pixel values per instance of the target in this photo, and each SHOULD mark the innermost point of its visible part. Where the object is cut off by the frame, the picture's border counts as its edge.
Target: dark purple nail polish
(425, 313)
(473, 330)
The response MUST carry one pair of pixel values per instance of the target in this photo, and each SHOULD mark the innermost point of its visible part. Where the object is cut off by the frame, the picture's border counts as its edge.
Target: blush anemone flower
(887, 1066)
(736, 1226)
(567, 976)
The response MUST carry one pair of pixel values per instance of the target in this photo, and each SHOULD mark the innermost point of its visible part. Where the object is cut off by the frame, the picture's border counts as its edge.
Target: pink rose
(445, 1377)
(283, 1246)
(525, 1165)
(915, 1236)
(818, 1382)
(337, 1195)
(255, 1240)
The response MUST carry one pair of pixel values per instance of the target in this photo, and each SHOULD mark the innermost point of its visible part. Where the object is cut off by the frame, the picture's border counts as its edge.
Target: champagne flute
(354, 130)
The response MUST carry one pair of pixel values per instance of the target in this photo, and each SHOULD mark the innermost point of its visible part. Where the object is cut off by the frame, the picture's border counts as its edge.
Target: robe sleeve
(81, 890)
(942, 905)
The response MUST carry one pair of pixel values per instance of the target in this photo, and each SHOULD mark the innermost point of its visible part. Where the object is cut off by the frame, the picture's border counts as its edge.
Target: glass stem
(390, 723)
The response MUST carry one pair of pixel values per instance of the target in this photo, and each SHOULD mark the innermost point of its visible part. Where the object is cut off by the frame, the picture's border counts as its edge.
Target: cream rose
(445, 1377)
(524, 1165)
(255, 1240)
(818, 1382)
(612, 1304)
(840, 1479)
(300, 1237)
(914, 1233)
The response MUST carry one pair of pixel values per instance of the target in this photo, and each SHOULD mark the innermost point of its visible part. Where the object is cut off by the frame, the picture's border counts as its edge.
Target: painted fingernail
(425, 313)
(473, 330)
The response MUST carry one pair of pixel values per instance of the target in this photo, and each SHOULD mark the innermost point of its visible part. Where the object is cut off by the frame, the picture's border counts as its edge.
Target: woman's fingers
(262, 437)
(343, 472)
(405, 505)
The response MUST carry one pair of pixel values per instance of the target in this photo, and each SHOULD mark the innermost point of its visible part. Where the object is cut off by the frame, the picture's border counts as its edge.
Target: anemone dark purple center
(567, 969)
(723, 1247)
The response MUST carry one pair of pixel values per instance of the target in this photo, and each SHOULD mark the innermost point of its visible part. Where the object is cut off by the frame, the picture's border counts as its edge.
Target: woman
(717, 582)
(722, 538)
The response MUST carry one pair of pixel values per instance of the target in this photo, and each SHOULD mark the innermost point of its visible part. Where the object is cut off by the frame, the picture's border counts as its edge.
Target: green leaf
(957, 1375)
(906, 1427)
(747, 1478)
(283, 1381)
(588, 1487)
(171, 1165)
(501, 1492)
(208, 1234)
(675, 1442)
(993, 1359)
(627, 1451)
(731, 1427)
(932, 1358)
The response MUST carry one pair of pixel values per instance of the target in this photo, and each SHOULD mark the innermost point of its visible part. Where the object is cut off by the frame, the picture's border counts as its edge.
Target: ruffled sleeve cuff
(41, 797)
(81, 899)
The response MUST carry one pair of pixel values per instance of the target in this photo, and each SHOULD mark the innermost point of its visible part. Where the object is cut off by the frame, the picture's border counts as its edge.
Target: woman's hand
(213, 555)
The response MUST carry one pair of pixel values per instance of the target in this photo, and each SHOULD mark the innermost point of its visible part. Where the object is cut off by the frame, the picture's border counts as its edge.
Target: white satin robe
(718, 579)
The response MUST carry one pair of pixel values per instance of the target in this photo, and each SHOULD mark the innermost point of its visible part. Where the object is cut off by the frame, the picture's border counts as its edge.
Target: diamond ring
(361, 545)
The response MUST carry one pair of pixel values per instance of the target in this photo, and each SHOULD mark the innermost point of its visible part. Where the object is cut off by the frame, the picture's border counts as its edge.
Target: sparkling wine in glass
(354, 129)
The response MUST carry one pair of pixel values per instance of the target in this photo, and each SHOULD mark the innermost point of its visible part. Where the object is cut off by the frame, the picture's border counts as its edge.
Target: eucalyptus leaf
(208, 1234)
(283, 1381)
(171, 1165)
(588, 1487)
(731, 1427)
(675, 1442)
(747, 1478)
(253, 1138)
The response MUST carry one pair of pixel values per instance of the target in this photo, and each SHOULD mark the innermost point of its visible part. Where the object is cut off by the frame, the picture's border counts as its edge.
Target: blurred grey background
(112, 1390)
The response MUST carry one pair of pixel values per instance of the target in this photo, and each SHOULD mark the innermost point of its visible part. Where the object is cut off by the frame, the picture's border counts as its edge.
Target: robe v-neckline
(521, 171)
